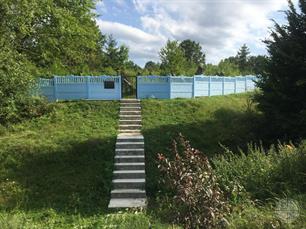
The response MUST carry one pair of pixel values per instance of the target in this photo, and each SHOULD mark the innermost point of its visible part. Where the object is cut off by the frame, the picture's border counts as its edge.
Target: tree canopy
(283, 85)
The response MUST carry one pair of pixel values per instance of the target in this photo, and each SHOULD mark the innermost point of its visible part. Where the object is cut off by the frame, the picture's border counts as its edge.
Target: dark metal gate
(128, 87)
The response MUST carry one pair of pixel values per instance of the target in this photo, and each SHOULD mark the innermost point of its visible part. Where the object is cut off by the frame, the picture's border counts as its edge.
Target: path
(129, 173)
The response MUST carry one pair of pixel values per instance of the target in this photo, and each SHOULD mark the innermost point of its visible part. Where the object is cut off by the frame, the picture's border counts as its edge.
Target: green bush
(262, 174)
(16, 81)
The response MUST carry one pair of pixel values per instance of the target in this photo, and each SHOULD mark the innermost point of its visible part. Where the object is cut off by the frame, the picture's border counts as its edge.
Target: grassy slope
(209, 123)
(55, 171)
(206, 122)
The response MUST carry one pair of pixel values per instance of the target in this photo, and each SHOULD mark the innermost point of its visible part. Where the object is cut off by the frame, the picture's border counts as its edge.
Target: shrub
(16, 81)
(198, 200)
(262, 173)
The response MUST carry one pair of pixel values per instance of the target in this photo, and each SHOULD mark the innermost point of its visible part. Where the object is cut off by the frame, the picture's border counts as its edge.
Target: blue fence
(81, 87)
(167, 87)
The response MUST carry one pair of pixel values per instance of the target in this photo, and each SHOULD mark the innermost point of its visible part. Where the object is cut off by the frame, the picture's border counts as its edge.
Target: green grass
(252, 181)
(56, 170)
(208, 123)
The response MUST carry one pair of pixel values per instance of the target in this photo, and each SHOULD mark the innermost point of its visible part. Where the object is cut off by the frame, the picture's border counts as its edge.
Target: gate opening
(128, 86)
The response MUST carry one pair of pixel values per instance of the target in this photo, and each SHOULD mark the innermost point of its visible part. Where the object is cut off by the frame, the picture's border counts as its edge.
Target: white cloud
(143, 46)
(221, 26)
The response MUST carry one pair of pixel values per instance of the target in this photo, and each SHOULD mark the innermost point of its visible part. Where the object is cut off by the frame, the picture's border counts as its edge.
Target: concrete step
(130, 166)
(129, 159)
(129, 145)
(129, 100)
(130, 122)
(130, 108)
(129, 183)
(129, 174)
(130, 117)
(130, 113)
(123, 104)
(129, 127)
(127, 203)
(130, 152)
(128, 138)
(137, 132)
(128, 193)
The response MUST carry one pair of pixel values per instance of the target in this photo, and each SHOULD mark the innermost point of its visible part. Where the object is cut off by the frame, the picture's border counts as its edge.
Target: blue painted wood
(154, 87)
(81, 87)
(188, 87)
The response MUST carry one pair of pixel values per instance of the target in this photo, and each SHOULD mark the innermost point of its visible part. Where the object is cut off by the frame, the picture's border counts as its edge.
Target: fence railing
(81, 87)
(167, 87)
(162, 87)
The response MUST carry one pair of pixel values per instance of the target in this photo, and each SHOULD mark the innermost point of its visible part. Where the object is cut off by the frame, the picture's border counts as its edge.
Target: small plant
(198, 201)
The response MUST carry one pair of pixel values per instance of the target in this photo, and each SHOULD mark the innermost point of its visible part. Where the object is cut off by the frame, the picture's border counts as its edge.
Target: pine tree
(242, 58)
(283, 86)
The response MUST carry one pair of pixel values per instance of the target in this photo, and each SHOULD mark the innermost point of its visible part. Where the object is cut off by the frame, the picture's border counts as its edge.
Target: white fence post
(55, 87)
(223, 81)
(235, 85)
(87, 85)
(245, 83)
(209, 86)
(120, 88)
(193, 87)
(169, 79)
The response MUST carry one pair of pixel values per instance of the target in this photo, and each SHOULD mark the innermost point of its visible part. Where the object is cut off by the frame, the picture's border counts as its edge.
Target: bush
(16, 81)
(262, 174)
(198, 200)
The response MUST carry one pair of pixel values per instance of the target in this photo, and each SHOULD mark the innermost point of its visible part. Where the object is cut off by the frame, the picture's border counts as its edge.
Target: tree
(152, 68)
(43, 38)
(242, 58)
(194, 55)
(257, 64)
(116, 56)
(173, 61)
(283, 87)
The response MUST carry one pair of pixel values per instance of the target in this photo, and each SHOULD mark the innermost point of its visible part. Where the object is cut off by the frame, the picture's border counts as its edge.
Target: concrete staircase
(129, 173)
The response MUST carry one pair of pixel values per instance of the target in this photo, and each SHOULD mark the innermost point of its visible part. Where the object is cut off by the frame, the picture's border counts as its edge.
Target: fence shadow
(77, 180)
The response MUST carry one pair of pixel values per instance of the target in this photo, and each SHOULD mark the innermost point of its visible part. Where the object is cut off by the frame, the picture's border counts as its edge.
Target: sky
(220, 26)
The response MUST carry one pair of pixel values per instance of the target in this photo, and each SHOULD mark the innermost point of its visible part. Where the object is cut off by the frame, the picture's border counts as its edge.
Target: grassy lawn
(56, 170)
(208, 123)
(215, 125)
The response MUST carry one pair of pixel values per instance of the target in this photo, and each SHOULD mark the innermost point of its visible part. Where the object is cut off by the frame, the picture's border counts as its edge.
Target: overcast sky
(220, 26)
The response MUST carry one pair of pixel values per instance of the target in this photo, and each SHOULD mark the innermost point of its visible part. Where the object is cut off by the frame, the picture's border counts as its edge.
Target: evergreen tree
(242, 58)
(283, 86)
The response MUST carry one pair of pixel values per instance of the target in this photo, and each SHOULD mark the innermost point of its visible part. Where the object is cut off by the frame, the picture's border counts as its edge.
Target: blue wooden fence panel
(80, 87)
(153, 87)
(181, 87)
(201, 86)
(187, 87)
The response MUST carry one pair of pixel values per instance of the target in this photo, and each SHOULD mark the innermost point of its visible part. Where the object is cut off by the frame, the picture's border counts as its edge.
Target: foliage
(241, 64)
(115, 57)
(224, 68)
(262, 174)
(194, 56)
(181, 58)
(172, 57)
(242, 58)
(151, 68)
(198, 200)
(283, 86)
(15, 100)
